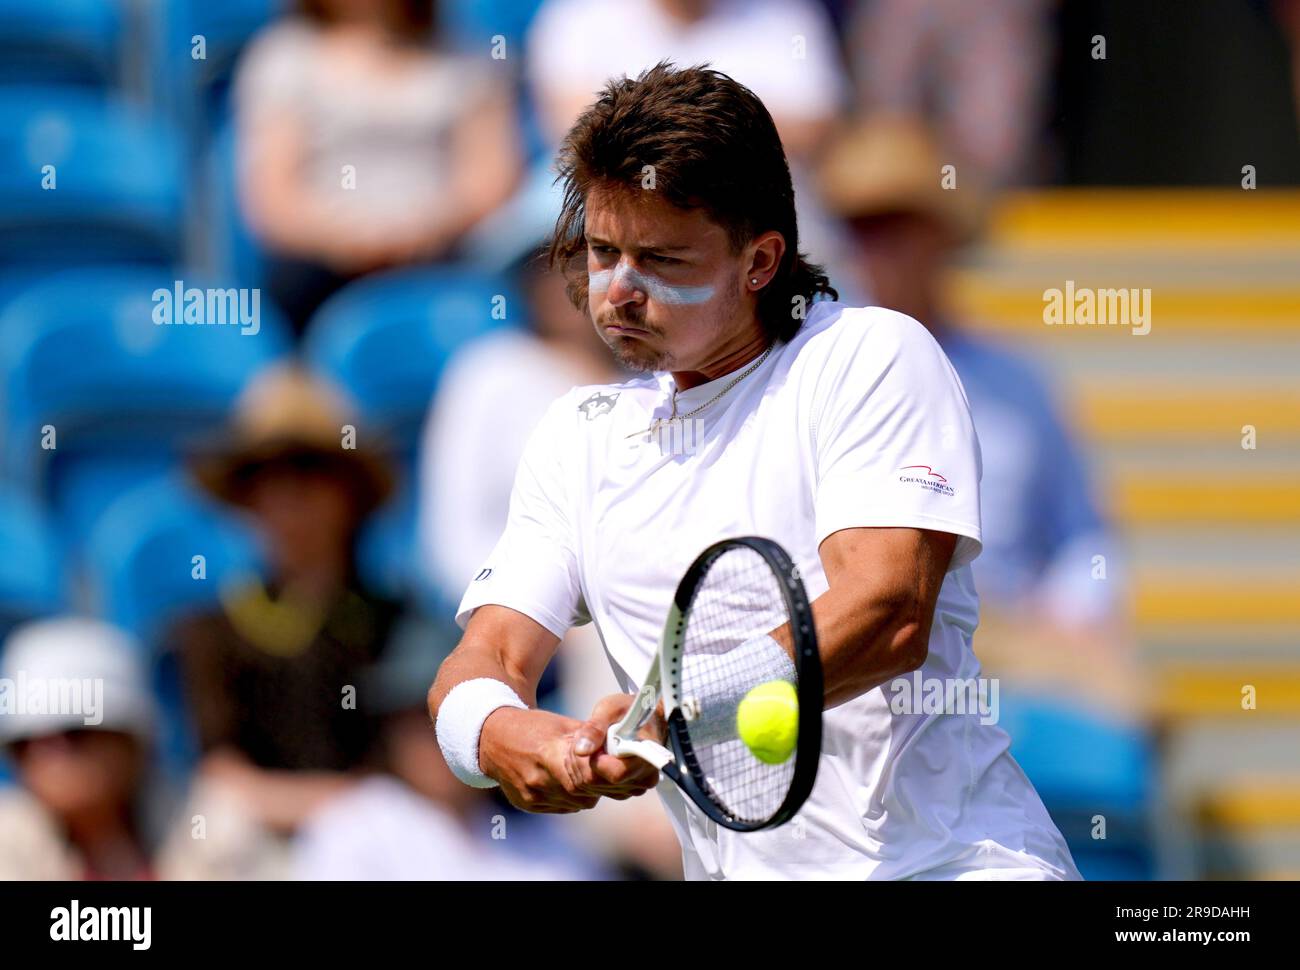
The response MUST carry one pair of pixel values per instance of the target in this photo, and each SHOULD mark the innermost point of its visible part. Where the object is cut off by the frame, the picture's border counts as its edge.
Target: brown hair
(412, 21)
(713, 146)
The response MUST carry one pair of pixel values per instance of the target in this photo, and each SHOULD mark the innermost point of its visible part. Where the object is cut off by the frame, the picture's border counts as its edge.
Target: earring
(753, 281)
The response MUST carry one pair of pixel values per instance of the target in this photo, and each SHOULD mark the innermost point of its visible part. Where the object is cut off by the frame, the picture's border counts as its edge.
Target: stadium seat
(92, 181)
(60, 41)
(1084, 765)
(141, 576)
(234, 253)
(79, 351)
(139, 556)
(385, 339)
(386, 547)
(195, 91)
(31, 580)
(472, 24)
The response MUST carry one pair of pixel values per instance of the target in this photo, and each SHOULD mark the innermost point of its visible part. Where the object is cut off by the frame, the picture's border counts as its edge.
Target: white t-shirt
(783, 50)
(858, 421)
(393, 131)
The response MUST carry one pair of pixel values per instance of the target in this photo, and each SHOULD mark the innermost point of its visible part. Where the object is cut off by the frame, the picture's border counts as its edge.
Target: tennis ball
(767, 720)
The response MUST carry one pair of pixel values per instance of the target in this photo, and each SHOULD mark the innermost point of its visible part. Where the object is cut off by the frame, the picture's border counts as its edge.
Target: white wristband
(460, 722)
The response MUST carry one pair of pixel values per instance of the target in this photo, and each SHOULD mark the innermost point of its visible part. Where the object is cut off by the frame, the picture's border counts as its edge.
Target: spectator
(975, 72)
(784, 50)
(363, 144)
(80, 810)
(1046, 613)
(416, 820)
(272, 675)
(489, 399)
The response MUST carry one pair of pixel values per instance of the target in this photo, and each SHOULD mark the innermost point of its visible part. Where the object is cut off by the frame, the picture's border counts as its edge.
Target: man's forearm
(471, 663)
(500, 644)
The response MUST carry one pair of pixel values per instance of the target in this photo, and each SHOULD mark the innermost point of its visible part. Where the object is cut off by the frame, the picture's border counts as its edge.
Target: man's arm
(873, 623)
(526, 751)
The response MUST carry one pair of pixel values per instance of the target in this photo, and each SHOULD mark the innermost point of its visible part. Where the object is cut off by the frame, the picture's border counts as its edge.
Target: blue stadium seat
(80, 351)
(141, 576)
(193, 91)
(235, 253)
(386, 554)
(31, 578)
(471, 24)
(386, 338)
(60, 41)
(139, 556)
(1085, 765)
(117, 195)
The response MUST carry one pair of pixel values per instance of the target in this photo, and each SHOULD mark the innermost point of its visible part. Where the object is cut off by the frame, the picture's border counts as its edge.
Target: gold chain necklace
(658, 422)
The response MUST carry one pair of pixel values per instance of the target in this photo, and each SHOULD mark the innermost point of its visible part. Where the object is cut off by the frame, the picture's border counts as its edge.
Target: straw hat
(287, 414)
(889, 164)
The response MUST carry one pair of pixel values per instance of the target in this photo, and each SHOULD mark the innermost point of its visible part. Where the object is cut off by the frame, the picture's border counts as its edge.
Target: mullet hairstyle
(712, 145)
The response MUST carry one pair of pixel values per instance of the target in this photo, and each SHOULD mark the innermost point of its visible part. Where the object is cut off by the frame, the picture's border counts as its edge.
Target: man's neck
(724, 363)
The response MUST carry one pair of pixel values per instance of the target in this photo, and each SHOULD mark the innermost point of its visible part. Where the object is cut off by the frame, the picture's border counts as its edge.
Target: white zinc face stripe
(652, 286)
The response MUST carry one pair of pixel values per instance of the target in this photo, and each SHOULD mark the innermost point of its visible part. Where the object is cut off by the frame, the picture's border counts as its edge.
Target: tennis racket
(735, 593)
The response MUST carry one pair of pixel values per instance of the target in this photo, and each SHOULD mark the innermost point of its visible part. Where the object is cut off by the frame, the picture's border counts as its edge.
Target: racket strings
(738, 600)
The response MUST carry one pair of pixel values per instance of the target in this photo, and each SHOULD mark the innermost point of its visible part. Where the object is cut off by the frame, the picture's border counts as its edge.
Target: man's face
(664, 288)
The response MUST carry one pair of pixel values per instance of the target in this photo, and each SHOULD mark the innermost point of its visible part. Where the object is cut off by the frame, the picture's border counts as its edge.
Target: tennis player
(767, 408)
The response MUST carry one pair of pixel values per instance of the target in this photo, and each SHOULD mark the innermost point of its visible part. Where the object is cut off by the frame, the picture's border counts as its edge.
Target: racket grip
(619, 739)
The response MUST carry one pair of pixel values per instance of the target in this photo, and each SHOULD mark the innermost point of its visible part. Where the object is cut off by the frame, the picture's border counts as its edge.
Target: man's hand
(527, 752)
(598, 771)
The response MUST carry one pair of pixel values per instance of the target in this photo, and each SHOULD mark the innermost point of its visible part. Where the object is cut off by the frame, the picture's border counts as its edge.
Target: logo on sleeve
(927, 478)
(597, 404)
(483, 574)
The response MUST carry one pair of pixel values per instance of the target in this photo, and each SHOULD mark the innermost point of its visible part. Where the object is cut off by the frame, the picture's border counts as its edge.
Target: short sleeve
(893, 438)
(273, 69)
(534, 566)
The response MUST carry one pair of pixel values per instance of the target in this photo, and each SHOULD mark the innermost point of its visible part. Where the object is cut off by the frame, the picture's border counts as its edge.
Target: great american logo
(926, 477)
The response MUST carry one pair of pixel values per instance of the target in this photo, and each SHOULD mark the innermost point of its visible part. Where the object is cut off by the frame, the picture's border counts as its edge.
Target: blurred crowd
(372, 167)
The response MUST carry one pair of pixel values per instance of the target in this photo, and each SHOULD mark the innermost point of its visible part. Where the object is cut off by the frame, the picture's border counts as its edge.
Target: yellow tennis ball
(767, 720)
